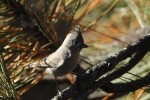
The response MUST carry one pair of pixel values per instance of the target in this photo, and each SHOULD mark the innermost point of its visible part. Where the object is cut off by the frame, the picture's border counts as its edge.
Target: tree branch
(124, 87)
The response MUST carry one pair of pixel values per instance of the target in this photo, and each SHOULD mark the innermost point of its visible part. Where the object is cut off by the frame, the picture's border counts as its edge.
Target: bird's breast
(67, 66)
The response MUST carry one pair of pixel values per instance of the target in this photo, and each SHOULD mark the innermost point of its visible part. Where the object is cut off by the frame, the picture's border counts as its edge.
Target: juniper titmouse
(65, 58)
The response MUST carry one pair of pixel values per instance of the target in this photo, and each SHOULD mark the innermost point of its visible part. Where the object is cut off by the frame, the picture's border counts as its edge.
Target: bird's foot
(59, 95)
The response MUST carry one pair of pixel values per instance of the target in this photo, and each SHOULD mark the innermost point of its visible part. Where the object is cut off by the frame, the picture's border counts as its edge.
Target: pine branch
(9, 92)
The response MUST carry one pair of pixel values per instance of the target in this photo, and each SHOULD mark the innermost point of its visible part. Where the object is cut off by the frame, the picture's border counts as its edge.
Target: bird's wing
(63, 58)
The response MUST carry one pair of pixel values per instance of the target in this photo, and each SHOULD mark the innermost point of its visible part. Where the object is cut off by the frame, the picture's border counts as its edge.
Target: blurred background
(32, 29)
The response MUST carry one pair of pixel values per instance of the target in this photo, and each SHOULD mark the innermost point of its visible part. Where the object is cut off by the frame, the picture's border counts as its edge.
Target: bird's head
(74, 39)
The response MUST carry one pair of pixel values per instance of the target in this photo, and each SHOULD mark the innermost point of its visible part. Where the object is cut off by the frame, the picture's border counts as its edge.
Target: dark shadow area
(44, 90)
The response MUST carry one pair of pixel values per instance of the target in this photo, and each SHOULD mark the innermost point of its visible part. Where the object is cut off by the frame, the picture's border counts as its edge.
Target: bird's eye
(76, 43)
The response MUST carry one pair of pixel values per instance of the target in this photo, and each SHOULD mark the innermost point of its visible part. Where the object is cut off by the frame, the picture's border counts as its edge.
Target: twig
(124, 87)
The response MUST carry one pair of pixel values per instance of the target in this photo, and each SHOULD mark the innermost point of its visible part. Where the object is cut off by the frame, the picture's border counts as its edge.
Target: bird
(65, 59)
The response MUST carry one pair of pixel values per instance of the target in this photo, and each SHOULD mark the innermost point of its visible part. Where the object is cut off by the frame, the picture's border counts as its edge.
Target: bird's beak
(84, 46)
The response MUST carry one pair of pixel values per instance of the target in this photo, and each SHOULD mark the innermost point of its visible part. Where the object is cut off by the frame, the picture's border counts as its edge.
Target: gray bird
(65, 58)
